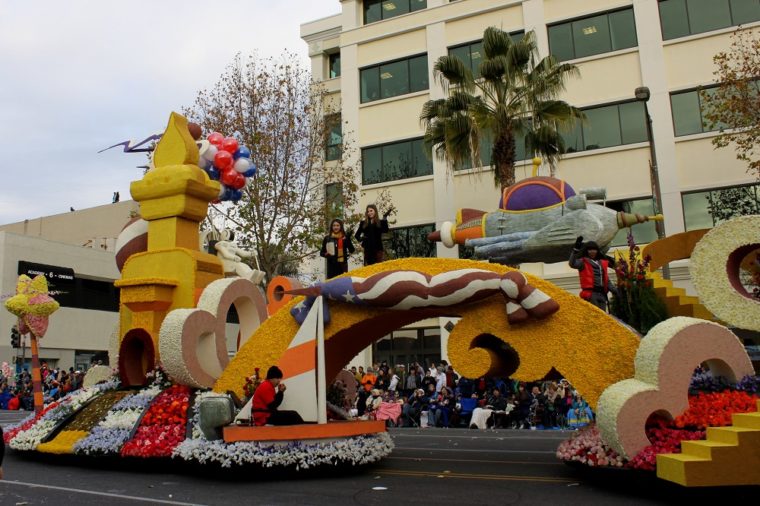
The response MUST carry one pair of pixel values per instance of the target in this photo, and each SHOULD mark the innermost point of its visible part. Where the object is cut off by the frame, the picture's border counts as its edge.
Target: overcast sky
(77, 76)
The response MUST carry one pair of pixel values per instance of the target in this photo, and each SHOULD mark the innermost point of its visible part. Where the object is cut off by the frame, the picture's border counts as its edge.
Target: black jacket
(371, 236)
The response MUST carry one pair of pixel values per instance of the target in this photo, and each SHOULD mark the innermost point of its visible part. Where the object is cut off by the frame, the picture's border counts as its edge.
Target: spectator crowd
(16, 392)
(414, 396)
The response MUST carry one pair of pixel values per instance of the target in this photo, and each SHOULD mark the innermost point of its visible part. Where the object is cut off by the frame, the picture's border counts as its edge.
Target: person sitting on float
(592, 268)
(268, 397)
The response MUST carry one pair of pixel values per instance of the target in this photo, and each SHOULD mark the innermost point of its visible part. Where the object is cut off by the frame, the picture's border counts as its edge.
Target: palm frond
(450, 70)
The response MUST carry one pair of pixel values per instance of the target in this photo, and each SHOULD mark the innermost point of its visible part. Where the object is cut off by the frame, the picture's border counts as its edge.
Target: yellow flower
(63, 443)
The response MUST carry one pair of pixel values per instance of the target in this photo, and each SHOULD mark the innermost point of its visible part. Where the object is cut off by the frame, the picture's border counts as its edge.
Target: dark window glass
(686, 115)
(372, 11)
(745, 11)
(406, 242)
(689, 112)
(375, 10)
(334, 146)
(370, 84)
(418, 73)
(592, 35)
(334, 200)
(476, 57)
(561, 41)
(673, 19)
(394, 78)
(603, 128)
(372, 165)
(643, 233)
(606, 126)
(633, 126)
(399, 160)
(472, 53)
(679, 18)
(708, 208)
(706, 15)
(334, 65)
(622, 29)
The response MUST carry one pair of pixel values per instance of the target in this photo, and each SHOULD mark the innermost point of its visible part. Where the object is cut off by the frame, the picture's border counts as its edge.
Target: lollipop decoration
(33, 305)
(225, 160)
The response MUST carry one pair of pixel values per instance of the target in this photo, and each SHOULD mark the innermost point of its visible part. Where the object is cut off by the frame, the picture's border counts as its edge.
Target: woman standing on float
(336, 247)
(370, 234)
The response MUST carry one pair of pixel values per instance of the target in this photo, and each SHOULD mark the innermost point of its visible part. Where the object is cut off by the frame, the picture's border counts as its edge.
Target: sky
(77, 76)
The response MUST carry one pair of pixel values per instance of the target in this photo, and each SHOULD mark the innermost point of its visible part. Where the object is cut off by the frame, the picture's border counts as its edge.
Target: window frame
(698, 90)
(572, 20)
(425, 228)
(620, 126)
(520, 32)
(704, 191)
(377, 66)
(409, 141)
(331, 121)
(330, 58)
(408, 4)
(733, 23)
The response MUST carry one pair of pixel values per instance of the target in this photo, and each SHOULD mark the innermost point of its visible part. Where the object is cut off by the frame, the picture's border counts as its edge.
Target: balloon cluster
(228, 162)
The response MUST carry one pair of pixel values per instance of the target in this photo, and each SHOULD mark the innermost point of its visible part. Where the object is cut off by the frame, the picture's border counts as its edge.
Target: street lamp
(642, 94)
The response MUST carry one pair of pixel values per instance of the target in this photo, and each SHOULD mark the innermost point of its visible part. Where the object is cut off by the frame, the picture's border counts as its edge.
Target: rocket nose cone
(434, 236)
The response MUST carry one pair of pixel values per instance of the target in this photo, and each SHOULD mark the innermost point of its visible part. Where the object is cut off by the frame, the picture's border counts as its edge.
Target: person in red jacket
(592, 268)
(266, 399)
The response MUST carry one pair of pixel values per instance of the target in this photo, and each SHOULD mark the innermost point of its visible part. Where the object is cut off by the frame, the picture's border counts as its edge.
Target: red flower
(162, 427)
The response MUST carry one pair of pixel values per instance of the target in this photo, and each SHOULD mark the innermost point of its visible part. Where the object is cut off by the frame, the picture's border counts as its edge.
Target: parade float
(173, 394)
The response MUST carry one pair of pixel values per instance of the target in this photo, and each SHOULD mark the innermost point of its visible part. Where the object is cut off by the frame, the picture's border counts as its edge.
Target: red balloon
(223, 160)
(239, 181)
(229, 144)
(215, 138)
(228, 177)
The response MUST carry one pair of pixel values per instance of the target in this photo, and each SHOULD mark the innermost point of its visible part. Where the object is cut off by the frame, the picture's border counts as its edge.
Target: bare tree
(274, 108)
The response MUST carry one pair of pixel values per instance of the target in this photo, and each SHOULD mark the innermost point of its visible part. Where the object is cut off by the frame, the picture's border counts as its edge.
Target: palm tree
(515, 96)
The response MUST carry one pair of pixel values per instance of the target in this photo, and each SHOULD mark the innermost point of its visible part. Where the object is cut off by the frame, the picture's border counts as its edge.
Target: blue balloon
(250, 172)
(243, 152)
(236, 195)
(213, 173)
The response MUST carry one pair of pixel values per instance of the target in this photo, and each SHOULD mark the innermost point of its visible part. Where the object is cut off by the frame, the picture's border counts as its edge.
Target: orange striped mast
(36, 375)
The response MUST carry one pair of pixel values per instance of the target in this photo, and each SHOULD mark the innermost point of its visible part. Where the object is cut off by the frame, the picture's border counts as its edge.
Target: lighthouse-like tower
(171, 274)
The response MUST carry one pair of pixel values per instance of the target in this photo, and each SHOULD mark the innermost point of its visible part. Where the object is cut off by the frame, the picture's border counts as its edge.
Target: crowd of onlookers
(17, 393)
(414, 396)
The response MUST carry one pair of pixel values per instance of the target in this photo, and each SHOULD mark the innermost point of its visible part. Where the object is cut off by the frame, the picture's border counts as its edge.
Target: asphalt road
(428, 467)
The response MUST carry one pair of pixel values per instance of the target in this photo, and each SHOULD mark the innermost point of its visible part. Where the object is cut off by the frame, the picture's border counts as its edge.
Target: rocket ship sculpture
(538, 220)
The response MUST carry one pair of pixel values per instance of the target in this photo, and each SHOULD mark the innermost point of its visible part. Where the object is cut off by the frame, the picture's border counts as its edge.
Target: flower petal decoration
(192, 342)
(714, 270)
(664, 365)
(596, 349)
(32, 304)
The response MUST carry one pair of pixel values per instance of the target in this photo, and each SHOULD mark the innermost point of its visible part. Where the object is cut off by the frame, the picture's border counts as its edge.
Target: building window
(408, 242)
(706, 209)
(398, 160)
(394, 78)
(376, 10)
(407, 346)
(688, 112)
(486, 151)
(606, 126)
(679, 18)
(472, 54)
(334, 200)
(334, 142)
(643, 233)
(334, 64)
(592, 35)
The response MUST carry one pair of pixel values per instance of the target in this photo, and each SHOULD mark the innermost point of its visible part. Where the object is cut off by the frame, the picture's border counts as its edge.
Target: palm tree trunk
(36, 375)
(504, 159)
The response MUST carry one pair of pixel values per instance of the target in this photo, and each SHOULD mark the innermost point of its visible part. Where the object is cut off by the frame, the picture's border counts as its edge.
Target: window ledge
(704, 35)
(695, 137)
(601, 151)
(602, 56)
(397, 182)
(393, 99)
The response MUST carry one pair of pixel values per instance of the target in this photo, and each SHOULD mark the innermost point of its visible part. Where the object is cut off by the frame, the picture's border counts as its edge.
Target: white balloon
(210, 153)
(242, 164)
(222, 189)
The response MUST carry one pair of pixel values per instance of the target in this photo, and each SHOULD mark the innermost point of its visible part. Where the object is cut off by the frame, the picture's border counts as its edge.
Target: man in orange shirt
(368, 383)
(267, 397)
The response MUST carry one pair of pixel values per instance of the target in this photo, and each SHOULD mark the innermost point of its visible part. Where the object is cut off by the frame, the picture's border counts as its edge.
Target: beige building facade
(376, 60)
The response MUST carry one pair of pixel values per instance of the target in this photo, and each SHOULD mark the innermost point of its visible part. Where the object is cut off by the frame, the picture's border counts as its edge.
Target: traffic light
(15, 337)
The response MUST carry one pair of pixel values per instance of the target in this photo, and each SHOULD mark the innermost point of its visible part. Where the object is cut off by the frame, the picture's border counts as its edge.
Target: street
(428, 466)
